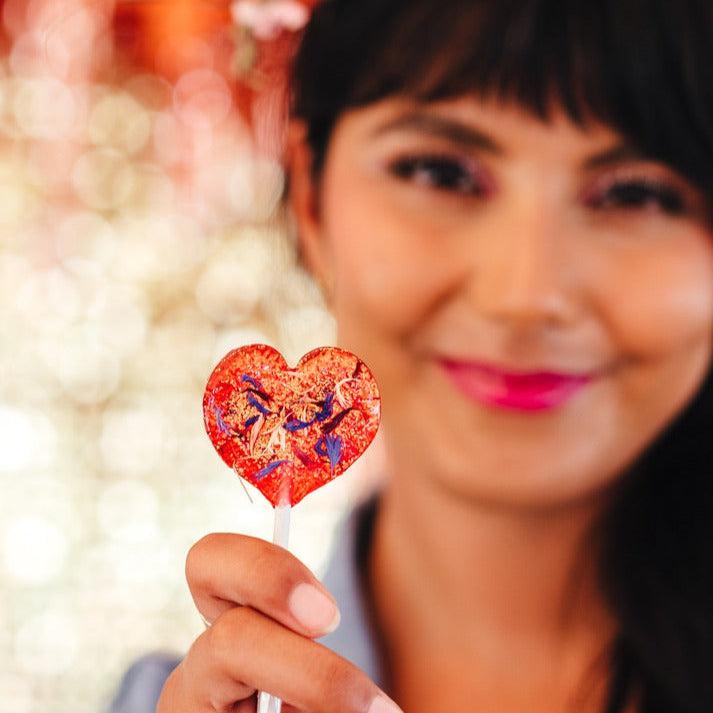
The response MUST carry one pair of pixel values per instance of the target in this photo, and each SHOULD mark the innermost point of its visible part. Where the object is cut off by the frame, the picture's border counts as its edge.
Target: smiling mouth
(529, 392)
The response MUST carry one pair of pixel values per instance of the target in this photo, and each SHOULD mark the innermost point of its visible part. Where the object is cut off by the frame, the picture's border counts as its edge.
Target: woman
(509, 207)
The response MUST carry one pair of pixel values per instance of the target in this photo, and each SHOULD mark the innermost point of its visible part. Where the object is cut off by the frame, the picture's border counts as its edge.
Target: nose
(519, 270)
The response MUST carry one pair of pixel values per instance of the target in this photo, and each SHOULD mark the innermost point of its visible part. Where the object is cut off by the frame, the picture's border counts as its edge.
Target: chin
(528, 493)
(503, 478)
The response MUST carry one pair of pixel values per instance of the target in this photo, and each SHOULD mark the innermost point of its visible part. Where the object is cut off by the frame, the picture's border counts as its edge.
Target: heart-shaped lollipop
(290, 431)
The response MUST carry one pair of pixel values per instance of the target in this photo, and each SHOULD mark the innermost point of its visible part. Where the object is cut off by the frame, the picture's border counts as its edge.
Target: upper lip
(518, 370)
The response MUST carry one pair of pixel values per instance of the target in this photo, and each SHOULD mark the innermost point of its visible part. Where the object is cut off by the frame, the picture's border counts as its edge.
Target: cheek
(661, 302)
(387, 271)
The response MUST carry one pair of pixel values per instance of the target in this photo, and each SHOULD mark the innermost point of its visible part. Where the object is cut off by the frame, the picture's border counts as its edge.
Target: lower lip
(531, 392)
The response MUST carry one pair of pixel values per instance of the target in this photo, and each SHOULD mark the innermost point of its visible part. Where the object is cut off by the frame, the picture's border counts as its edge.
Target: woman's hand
(265, 607)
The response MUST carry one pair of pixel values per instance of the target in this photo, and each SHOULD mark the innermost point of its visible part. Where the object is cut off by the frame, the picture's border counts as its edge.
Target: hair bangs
(520, 52)
(640, 66)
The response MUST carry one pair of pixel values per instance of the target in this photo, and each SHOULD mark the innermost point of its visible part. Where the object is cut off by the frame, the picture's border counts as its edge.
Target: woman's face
(535, 300)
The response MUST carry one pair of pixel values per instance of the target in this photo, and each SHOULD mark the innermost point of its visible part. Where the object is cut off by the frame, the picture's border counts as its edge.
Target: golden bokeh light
(142, 236)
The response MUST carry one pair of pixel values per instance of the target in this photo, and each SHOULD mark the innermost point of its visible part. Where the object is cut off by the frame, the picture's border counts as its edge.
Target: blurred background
(141, 238)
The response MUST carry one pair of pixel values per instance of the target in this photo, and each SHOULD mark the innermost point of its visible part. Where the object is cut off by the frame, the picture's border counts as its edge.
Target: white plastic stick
(267, 703)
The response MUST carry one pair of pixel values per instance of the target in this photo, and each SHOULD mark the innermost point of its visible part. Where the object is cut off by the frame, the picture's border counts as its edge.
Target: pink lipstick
(531, 391)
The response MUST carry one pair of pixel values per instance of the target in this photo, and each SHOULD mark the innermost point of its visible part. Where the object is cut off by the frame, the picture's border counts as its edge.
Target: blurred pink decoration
(267, 19)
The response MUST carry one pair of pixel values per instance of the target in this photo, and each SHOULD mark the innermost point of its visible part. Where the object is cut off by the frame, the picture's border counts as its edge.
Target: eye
(640, 193)
(440, 172)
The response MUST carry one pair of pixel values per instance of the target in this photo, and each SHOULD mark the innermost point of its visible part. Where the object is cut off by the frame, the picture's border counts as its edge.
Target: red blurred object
(290, 431)
(171, 37)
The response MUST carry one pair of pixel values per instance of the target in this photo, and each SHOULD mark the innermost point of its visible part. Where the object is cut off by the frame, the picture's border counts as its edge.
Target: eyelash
(638, 193)
(444, 174)
(455, 176)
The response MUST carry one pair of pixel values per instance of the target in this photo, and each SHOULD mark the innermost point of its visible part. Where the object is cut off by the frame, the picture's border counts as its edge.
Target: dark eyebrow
(616, 154)
(440, 127)
(470, 137)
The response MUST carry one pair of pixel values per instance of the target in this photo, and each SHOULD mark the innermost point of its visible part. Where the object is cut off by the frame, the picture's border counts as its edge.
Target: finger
(247, 706)
(246, 651)
(180, 693)
(225, 569)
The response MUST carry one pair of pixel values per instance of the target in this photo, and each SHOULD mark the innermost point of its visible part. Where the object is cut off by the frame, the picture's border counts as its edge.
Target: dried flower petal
(306, 426)
(294, 424)
(327, 408)
(268, 469)
(255, 432)
(331, 425)
(252, 381)
(330, 446)
(338, 391)
(258, 405)
(222, 425)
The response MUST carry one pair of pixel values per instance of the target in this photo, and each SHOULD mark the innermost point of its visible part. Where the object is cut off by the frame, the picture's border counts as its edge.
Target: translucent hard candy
(290, 431)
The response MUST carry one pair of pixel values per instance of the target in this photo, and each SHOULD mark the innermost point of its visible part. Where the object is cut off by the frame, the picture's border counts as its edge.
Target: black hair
(641, 66)
(645, 68)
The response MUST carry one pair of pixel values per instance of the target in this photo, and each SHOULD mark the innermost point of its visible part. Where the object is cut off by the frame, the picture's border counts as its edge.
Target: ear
(304, 202)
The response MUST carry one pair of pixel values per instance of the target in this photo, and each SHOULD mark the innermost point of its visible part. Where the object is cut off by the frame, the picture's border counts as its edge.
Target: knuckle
(259, 550)
(229, 631)
(260, 555)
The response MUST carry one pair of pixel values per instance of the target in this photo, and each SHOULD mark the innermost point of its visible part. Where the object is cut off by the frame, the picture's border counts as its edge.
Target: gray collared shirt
(355, 639)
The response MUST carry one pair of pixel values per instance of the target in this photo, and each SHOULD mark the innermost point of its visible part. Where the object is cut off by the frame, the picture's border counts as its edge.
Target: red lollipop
(290, 431)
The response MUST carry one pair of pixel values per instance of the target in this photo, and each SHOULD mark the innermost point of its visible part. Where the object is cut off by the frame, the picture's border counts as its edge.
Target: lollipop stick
(267, 703)
(281, 532)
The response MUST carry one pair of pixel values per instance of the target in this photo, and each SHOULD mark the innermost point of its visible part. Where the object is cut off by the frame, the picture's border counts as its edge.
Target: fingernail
(382, 704)
(313, 609)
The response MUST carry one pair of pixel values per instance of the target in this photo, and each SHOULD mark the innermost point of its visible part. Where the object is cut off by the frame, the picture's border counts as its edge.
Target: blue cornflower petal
(330, 446)
(252, 380)
(333, 423)
(294, 424)
(320, 448)
(222, 425)
(334, 449)
(326, 410)
(258, 405)
(268, 469)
